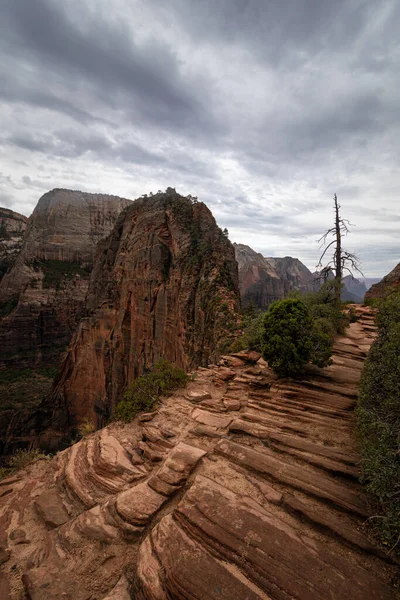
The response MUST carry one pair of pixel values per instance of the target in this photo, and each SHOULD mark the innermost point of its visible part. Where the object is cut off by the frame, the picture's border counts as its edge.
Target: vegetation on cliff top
(378, 416)
(146, 390)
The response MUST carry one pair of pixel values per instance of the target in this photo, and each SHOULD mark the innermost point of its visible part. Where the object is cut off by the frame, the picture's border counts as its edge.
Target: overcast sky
(261, 108)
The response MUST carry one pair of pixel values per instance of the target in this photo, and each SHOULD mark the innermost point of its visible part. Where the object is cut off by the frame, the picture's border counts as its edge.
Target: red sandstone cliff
(164, 284)
(389, 283)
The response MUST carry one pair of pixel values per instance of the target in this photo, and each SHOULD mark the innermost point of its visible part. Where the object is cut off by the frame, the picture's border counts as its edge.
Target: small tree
(341, 260)
(291, 339)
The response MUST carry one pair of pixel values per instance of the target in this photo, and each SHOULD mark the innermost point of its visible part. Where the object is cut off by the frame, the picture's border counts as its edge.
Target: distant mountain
(353, 290)
(263, 280)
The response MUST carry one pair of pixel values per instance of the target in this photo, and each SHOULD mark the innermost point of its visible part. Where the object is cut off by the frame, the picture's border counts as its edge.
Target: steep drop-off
(389, 283)
(43, 294)
(164, 285)
(12, 228)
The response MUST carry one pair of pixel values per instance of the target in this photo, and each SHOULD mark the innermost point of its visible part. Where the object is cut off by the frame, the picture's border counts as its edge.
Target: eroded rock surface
(12, 228)
(196, 500)
(46, 287)
(165, 285)
(391, 282)
(265, 280)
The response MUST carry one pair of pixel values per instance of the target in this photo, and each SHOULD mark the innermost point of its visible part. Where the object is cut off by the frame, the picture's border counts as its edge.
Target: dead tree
(342, 260)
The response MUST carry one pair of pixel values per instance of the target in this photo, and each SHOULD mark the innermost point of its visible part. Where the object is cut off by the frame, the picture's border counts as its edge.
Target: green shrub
(251, 337)
(323, 304)
(378, 420)
(146, 390)
(291, 339)
(86, 427)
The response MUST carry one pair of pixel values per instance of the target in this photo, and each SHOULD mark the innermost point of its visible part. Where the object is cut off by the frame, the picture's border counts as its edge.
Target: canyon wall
(42, 295)
(265, 280)
(12, 228)
(164, 285)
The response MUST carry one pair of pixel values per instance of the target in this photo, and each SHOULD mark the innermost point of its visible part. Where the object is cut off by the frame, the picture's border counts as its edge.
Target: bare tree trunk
(338, 252)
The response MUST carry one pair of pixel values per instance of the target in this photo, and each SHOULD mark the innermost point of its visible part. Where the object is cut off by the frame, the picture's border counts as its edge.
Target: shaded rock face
(12, 228)
(165, 285)
(353, 290)
(203, 499)
(43, 294)
(389, 283)
(265, 280)
(293, 270)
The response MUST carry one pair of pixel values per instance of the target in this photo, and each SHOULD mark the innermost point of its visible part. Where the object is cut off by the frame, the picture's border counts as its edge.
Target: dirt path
(239, 487)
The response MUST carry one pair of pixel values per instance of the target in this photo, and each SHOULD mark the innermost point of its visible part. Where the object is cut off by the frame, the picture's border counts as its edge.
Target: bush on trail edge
(291, 338)
(378, 422)
(146, 390)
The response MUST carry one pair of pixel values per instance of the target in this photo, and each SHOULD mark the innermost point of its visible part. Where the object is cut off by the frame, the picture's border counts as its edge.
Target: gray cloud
(262, 109)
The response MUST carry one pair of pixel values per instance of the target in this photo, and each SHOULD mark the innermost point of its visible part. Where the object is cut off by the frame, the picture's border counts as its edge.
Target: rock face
(354, 289)
(43, 294)
(164, 285)
(292, 269)
(389, 283)
(264, 280)
(12, 228)
(254, 500)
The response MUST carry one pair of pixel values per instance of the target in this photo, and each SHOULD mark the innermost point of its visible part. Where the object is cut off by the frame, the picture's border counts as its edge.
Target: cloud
(261, 109)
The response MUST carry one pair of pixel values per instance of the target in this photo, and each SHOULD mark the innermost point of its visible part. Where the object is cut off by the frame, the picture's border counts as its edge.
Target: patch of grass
(378, 422)
(86, 428)
(20, 460)
(146, 390)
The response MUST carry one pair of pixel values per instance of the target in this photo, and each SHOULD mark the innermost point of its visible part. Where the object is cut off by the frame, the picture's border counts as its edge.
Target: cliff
(264, 280)
(292, 269)
(42, 295)
(164, 284)
(237, 487)
(12, 228)
(389, 283)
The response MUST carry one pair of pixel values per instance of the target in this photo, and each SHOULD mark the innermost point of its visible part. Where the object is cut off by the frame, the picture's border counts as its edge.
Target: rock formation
(353, 290)
(43, 294)
(292, 269)
(264, 280)
(164, 285)
(389, 283)
(237, 487)
(12, 228)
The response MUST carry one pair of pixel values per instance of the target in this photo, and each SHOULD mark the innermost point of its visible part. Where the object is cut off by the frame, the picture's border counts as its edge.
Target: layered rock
(265, 280)
(43, 293)
(388, 284)
(164, 285)
(239, 486)
(292, 270)
(12, 228)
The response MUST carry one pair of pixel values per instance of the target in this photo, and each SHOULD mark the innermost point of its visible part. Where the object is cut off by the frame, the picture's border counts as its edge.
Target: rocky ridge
(46, 287)
(12, 228)
(239, 486)
(164, 285)
(390, 282)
